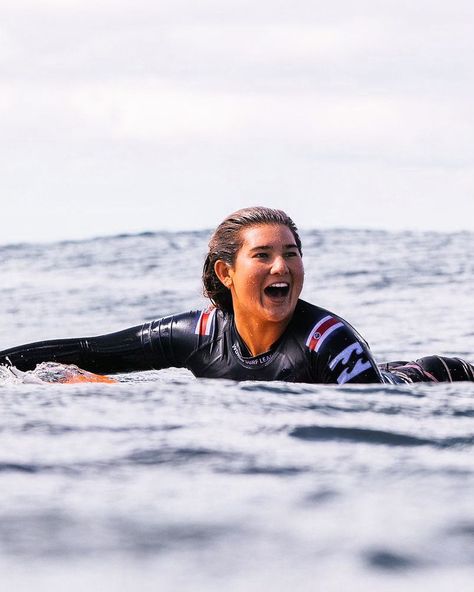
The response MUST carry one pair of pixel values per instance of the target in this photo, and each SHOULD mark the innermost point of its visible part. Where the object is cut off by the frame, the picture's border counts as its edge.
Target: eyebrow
(269, 248)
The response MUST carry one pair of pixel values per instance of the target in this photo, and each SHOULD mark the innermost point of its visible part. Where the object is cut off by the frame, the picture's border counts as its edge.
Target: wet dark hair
(226, 242)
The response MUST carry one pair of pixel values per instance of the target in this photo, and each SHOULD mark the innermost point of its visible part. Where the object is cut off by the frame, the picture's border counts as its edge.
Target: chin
(279, 316)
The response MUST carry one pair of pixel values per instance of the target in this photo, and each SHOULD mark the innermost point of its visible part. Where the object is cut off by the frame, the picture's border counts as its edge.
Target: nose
(279, 265)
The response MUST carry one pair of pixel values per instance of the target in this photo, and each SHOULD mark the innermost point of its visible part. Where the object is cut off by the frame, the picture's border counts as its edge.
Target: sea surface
(167, 482)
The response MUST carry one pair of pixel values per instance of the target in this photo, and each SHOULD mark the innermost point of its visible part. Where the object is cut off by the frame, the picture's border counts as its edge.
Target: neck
(257, 336)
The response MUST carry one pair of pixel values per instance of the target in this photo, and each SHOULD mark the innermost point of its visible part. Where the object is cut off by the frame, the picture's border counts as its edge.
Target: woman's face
(267, 276)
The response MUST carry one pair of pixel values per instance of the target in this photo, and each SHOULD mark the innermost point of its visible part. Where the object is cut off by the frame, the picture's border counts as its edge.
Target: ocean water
(168, 482)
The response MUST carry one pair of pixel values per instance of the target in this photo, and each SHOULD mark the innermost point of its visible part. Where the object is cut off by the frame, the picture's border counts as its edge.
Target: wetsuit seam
(468, 369)
(446, 368)
(148, 347)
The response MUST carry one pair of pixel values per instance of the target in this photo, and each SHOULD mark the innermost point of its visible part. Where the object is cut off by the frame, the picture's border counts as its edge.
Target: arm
(159, 344)
(124, 351)
(341, 355)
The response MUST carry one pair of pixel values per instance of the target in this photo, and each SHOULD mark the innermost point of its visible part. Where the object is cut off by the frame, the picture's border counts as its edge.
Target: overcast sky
(133, 115)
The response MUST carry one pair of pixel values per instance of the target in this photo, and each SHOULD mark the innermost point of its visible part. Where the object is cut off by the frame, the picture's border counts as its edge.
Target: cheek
(251, 288)
(245, 281)
(298, 268)
(299, 274)
(251, 285)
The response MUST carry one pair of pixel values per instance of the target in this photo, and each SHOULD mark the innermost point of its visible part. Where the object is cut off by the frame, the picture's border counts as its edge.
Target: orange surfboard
(52, 372)
(84, 376)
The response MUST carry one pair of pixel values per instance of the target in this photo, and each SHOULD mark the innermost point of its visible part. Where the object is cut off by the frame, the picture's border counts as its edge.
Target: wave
(373, 436)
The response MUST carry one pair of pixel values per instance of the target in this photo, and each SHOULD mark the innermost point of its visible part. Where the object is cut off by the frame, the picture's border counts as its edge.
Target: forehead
(266, 235)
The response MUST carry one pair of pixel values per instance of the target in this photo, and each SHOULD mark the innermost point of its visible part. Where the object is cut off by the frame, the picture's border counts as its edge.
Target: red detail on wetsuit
(203, 326)
(320, 331)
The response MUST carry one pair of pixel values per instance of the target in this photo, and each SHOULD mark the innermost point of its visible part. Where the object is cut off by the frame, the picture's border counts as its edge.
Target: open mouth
(277, 290)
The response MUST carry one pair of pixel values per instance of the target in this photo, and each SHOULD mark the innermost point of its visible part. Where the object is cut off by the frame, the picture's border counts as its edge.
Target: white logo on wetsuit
(258, 361)
(352, 357)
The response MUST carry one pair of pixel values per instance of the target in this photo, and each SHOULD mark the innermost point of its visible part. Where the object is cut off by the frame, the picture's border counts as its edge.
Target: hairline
(244, 227)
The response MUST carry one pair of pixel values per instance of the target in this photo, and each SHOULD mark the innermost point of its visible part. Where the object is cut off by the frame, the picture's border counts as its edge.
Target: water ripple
(373, 436)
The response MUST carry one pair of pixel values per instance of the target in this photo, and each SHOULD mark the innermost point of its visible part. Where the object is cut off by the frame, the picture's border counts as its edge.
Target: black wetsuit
(317, 347)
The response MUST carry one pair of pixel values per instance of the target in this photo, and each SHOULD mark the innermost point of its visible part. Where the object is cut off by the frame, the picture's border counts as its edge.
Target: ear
(222, 270)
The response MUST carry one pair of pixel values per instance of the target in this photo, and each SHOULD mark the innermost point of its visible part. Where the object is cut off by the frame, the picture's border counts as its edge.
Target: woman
(256, 328)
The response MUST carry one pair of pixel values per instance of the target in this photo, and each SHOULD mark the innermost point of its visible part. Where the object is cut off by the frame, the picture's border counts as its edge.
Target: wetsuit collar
(243, 355)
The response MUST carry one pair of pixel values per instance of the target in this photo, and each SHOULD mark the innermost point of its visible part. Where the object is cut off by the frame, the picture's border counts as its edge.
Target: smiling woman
(262, 279)
(256, 327)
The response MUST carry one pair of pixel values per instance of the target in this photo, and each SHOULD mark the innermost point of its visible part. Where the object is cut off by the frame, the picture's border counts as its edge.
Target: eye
(291, 254)
(261, 255)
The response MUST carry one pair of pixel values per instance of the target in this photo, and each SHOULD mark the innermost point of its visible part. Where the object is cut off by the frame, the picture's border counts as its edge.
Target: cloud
(250, 98)
(330, 124)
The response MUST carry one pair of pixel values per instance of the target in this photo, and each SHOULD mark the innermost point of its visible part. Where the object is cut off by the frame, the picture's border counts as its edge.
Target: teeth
(279, 285)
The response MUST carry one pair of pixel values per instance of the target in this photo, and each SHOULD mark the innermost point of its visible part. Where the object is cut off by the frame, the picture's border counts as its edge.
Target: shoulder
(177, 336)
(192, 326)
(315, 325)
(338, 351)
(326, 334)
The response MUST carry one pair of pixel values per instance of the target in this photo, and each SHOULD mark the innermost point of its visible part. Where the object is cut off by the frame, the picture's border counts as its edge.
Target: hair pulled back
(226, 242)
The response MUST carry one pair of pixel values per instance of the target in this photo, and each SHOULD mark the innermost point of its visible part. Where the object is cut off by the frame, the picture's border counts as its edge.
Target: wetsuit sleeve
(123, 351)
(340, 355)
(152, 346)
